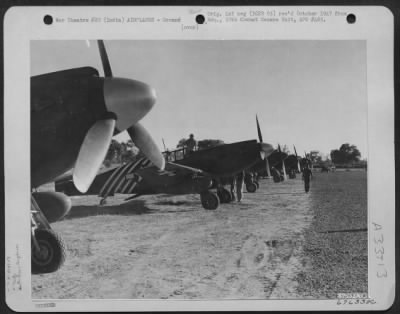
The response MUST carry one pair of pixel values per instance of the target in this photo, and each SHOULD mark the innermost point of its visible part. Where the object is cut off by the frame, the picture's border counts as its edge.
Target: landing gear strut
(48, 250)
(209, 200)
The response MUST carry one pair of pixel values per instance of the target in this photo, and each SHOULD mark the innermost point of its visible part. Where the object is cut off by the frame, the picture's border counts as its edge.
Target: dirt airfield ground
(277, 243)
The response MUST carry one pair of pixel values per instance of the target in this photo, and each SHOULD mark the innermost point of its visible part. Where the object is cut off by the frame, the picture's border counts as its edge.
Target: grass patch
(336, 243)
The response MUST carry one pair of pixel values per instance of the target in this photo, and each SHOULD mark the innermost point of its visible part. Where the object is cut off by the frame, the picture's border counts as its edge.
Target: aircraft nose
(130, 100)
(266, 150)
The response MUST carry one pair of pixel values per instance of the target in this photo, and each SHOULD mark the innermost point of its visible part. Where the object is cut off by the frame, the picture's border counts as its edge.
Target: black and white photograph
(246, 179)
(202, 169)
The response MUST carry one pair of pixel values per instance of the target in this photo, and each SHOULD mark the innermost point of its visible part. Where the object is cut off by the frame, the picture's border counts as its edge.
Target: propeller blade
(143, 140)
(268, 170)
(259, 131)
(283, 162)
(92, 153)
(284, 170)
(297, 157)
(104, 59)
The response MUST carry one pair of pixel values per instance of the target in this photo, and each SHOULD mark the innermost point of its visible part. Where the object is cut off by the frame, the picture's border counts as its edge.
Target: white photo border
(375, 25)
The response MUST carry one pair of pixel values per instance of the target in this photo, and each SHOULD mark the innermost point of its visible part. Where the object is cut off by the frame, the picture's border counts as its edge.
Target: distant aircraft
(279, 164)
(74, 114)
(306, 161)
(292, 163)
(272, 166)
(192, 173)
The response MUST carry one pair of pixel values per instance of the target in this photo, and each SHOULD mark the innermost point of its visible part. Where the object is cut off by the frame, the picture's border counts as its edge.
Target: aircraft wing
(181, 169)
(174, 179)
(141, 177)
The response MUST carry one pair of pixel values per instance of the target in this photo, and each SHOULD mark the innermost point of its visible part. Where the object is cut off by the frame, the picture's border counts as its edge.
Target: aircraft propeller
(127, 101)
(266, 149)
(165, 147)
(297, 157)
(92, 153)
(283, 162)
(259, 131)
(104, 59)
(143, 140)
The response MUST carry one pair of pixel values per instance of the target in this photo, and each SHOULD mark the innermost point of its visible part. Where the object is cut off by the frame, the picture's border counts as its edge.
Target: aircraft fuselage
(224, 160)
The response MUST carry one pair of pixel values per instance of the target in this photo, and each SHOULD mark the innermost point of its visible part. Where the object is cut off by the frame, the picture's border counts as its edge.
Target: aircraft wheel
(103, 201)
(251, 187)
(52, 252)
(209, 200)
(224, 195)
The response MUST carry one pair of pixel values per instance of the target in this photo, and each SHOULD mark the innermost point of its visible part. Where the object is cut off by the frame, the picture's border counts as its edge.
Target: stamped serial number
(355, 301)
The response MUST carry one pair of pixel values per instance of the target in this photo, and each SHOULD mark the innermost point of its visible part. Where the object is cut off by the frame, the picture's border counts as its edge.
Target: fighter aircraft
(292, 163)
(278, 165)
(273, 166)
(141, 177)
(74, 114)
(191, 173)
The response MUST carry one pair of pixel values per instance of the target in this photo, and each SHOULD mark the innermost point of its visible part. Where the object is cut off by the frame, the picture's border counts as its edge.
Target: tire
(224, 196)
(52, 253)
(209, 200)
(251, 187)
(103, 201)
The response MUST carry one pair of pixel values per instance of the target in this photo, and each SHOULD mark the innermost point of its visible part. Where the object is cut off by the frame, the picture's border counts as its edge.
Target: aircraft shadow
(135, 207)
(174, 203)
(178, 206)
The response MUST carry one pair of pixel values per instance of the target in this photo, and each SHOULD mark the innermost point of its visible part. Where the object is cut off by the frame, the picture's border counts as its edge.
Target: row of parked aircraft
(74, 115)
(197, 172)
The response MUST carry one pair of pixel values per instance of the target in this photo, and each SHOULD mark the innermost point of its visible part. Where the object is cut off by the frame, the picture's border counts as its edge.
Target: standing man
(307, 174)
(190, 144)
(233, 187)
(239, 186)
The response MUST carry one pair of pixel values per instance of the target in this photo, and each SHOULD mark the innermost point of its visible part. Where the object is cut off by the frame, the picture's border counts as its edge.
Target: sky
(311, 94)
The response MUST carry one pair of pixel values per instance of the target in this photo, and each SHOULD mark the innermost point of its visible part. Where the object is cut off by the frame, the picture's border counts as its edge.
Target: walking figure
(307, 174)
(237, 183)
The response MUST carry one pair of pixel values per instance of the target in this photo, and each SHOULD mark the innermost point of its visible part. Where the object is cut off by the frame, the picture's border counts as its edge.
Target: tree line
(346, 155)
